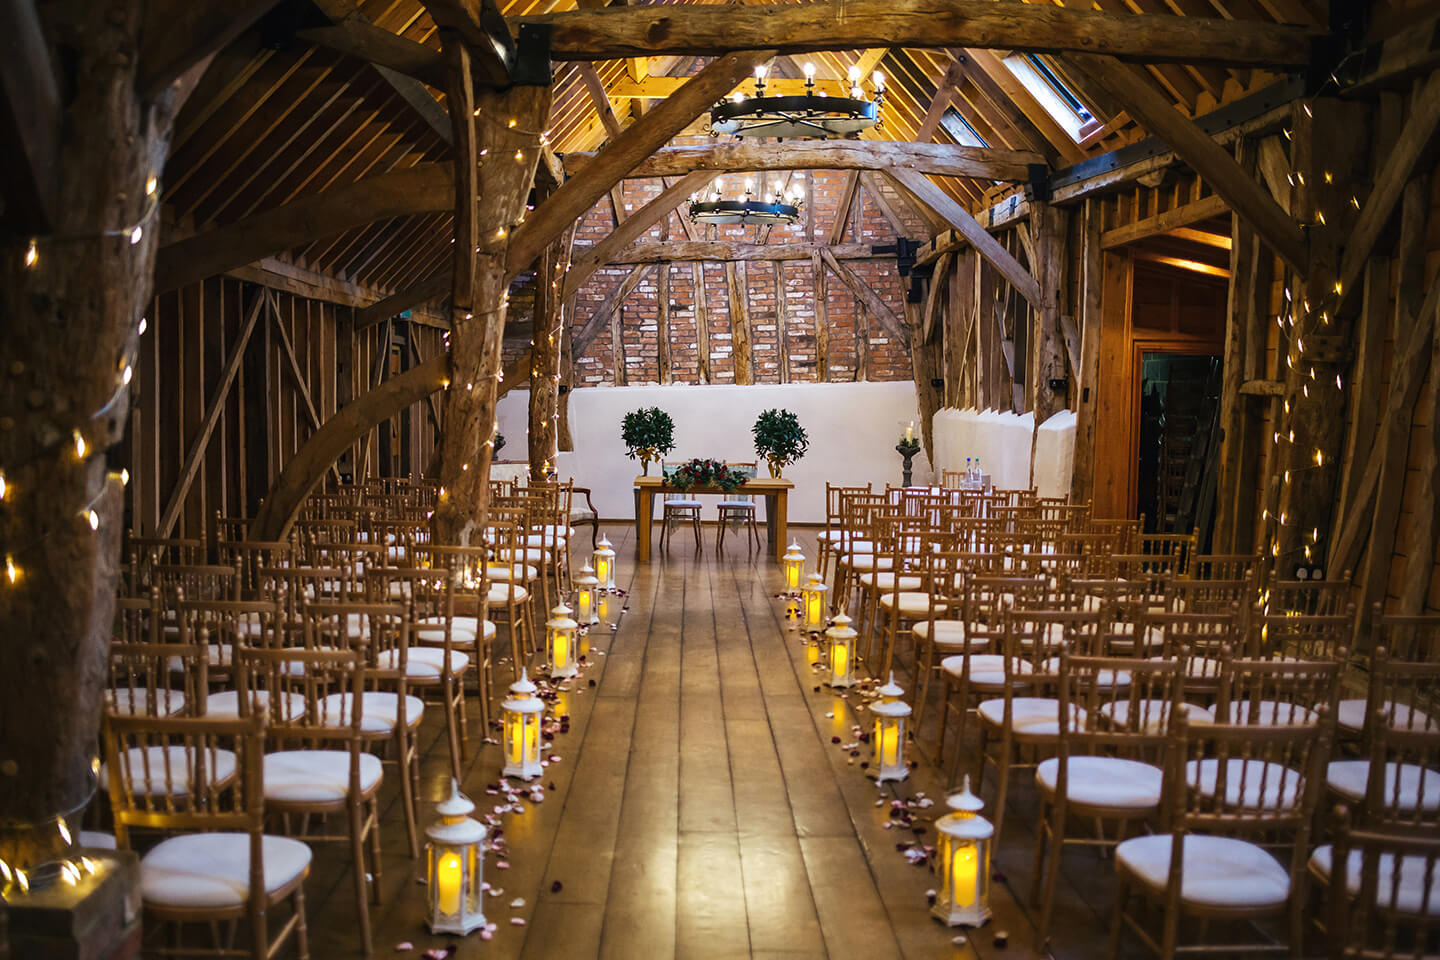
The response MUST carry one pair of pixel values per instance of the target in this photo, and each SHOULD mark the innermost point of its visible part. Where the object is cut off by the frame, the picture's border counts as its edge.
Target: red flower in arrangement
(701, 472)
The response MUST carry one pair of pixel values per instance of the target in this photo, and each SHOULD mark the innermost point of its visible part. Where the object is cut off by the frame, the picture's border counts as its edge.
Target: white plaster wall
(1002, 442)
(853, 430)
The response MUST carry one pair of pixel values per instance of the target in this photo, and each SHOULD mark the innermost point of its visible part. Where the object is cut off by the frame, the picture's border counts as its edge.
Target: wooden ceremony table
(775, 490)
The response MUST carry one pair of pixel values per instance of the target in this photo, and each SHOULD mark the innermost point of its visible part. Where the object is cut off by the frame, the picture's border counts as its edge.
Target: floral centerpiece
(648, 433)
(704, 473)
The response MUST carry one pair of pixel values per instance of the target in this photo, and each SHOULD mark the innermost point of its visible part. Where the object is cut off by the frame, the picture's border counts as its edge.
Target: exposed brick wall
(794, 346)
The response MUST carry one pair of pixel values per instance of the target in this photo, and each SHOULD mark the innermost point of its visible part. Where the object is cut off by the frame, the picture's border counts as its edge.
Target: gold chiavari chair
(1381, 912)
(321, 767)
(833, 538)
(470, 625)
(1233, 795)
(221, 868)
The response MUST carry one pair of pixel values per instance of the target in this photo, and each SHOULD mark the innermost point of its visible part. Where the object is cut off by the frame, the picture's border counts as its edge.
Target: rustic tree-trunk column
(1328, 154)
(548, 342)
(496, 144)
(72, 303)
(565, 441)
(1048, 232)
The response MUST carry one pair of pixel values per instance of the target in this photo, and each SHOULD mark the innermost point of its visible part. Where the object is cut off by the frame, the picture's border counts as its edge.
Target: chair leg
(1117, 923)
(362, 892)
(375, 862)
(720, 531)
(302, 934)
(695, 523)
(407, 785)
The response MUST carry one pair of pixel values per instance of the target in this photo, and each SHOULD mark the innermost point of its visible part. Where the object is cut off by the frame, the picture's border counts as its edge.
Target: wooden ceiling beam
(176, 35)
(681, 251)
(482, 27)
(946, 160)
(1206, 157)
(422, 188)
(987, 246)
(624, 153)
(357, 37)
(421, 293)
(30, 121)
(703, 29)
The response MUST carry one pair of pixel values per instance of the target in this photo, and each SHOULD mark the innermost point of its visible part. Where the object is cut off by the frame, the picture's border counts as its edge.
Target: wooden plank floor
(699, 807)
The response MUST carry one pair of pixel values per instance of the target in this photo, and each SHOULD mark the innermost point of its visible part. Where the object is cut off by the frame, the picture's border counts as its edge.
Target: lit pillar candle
(586, 586)
(812, 607)
(889, 738)
(560, 635)
(841, 637)
(605, 564)
(447, 881)
(794, 565)
(964, 847)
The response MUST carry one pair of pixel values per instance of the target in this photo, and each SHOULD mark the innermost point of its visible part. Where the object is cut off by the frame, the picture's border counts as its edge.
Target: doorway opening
(1179, 441)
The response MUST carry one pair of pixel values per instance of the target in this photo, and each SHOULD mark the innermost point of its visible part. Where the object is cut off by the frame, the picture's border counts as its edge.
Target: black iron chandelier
(783, 207)
(811, 115)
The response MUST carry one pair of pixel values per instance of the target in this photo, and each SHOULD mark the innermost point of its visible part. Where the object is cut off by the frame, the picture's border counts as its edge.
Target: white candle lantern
(586, 586)
(812, 604)
(560, 632)
(456, 861)
(841, 652)
(793, 563)
(964, 848)
(889, 742)
(605, 564)
(522, 713)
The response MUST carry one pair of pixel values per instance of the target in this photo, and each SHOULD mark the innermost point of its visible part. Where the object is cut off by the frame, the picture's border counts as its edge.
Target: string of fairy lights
(83, 446)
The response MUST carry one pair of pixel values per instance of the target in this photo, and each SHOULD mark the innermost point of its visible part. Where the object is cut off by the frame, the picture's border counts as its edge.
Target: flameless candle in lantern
(521, 714)
(964, 849)
(793, 564)
(455, 864)
(560, 641)
(812, 604)
(841, 652)
(889, 740)
(586, 586)
(605, 564)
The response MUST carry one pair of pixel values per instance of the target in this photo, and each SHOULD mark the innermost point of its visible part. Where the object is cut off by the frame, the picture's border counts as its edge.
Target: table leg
(770, 521)
(782, 504)
(643, 506)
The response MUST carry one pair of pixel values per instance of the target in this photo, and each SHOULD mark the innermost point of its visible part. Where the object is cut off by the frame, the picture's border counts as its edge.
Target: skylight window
(960, 129)
(1051, 93)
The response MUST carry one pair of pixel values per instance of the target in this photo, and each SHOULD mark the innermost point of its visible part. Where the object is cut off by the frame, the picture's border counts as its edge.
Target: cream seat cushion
(1100, 678)
(424, 663)
(128, 701)
(316, 776)
(1350, 715)
(737, 504)
(886, 581)
(1249, 784)
(684, 503)
(379, 710)
(868, 561)
(502, 593)
(1408, 898)
(1269, 713)
(531, 555)
(160, 771)
(462, 629)
(1418, 788)
(511, 571)
(225, 705)
(212, 870)
(912, 603)
(986, 669)
(1216, 872)
(96, 840)
(1154, 714)
(948, 633)
(859, 546)
(1105, 782)
(1029, 716)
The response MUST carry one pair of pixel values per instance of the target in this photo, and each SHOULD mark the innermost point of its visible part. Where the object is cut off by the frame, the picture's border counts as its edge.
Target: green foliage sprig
(779, 438)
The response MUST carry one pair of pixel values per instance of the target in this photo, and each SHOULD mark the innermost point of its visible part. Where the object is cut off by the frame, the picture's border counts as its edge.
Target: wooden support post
(566, 442)
(489, 201)
(926, 367)
(739, 321)
(546, 338)
(1329, 149)
(1086, 387)
(782, 324)
(702, 326)
(1363, 419)
(70, 317)
(662, 324)
(822, 319)
(1047, 350)
(1425, 512)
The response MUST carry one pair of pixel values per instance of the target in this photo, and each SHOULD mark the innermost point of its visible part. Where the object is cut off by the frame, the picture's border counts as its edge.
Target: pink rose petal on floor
(502, 864)
(404, 945)
(487, 934)
(517, 921)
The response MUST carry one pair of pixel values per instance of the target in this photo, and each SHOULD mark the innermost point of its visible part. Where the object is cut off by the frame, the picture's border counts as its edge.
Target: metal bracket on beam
(530, 60)
(1039, 182)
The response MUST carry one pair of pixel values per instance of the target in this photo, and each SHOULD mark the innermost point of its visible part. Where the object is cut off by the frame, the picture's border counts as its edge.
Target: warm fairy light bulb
(144, 325)
(519, 156)
(79, 444)
(1319, 459)
(500, 234)
(3, 487)
(12, 572)
(512, 123)
(150, 185)
(135, 236)
(32, 255)
(127, 374)
(124, 477)
(93, 519)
